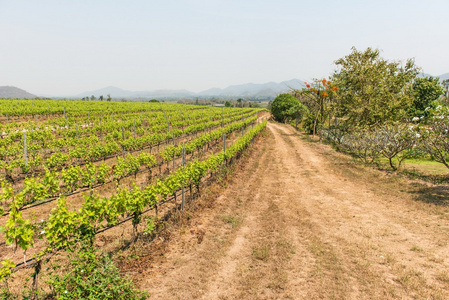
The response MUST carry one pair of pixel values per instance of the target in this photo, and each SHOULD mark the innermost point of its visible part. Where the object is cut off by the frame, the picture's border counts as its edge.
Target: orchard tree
(373, 90)
(426, 90)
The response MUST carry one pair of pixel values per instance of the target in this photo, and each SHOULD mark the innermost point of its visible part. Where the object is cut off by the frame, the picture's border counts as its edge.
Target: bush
(93, 276)
(286, 107)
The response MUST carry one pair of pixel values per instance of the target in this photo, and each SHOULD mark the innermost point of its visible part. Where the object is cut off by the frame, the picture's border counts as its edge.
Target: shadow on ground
(438, 195)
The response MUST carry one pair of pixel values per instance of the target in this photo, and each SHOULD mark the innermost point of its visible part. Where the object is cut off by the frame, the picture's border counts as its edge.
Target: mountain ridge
(13, 92)
(260, 90)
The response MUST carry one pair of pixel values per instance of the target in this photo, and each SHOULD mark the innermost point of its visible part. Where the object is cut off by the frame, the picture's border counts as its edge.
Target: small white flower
(43, 231)
(415, 119)
(42, 220)
(418, 135)
(65, 292)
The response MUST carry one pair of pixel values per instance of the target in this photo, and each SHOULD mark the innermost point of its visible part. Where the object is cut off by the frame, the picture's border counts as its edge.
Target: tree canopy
(425, 90)
(373, 90)
(286, 107)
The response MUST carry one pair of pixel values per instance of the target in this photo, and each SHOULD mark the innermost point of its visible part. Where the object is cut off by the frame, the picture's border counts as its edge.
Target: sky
(63, 48)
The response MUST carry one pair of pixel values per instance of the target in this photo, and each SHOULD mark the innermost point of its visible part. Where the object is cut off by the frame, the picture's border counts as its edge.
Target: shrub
(93, 276)
(286, 107)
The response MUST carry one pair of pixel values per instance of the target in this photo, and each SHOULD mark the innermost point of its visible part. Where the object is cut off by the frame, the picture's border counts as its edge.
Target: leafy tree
(372, 89)
(318, 97)
(228, 104)
(240, 102)
(109, 97)
(446, 87)
(286, 107)
(92, 97)
(425, 90)
(101, 98)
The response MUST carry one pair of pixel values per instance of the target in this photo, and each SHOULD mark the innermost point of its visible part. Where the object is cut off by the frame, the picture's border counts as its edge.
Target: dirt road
(301, 221)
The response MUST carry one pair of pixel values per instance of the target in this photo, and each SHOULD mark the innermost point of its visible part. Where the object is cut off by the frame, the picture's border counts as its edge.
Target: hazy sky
(67, 47)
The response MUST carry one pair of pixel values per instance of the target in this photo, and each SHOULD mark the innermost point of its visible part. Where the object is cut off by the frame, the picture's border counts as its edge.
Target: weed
(93, 276)
(233, 221)
(416, 248)
(262, 253)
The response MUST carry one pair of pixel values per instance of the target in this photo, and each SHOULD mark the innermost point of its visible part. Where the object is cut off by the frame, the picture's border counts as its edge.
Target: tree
(92, 97)
(228, 104)
(372, 89)
(425, 90)
(446, 87)
(109, 98)
(318, 98)
(286, 107)
(101, 98)
(240, 102)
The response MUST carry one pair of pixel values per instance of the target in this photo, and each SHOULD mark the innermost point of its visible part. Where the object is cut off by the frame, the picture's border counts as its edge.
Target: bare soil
(302, 221)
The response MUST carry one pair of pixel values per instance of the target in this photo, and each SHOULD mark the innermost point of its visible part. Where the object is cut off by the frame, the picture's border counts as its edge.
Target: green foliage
(434, 138)
(62, 227)
(425, 90)
(372, 89)
(286, 107)
(5, 269)
(19, 231)
(93, 276)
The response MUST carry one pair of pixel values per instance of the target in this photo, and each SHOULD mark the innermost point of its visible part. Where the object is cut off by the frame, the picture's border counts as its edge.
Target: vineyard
(72, 171)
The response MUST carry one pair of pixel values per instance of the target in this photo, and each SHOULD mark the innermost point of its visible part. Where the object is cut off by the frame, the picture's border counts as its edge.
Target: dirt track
(301, 221)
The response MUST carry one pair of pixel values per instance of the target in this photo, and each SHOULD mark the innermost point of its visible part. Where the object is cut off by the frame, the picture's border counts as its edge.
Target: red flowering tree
(319, 97)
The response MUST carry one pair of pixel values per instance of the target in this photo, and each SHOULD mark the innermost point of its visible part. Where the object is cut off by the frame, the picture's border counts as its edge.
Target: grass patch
(232, 220)
(416, 249)
(262, 252)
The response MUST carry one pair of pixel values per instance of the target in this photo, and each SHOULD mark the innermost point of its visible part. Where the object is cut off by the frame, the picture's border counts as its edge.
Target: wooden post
(183, 187)
(25, 154)
(134, 128)
(77, 132)
(123, 137)
(224, 146)
(174, 154)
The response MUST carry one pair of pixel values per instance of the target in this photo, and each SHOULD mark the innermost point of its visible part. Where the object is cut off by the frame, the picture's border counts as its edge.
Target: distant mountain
(444, 76)
(110, 90)
(269, 89)
(12, 92)
(249, 90)
(116, 92)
